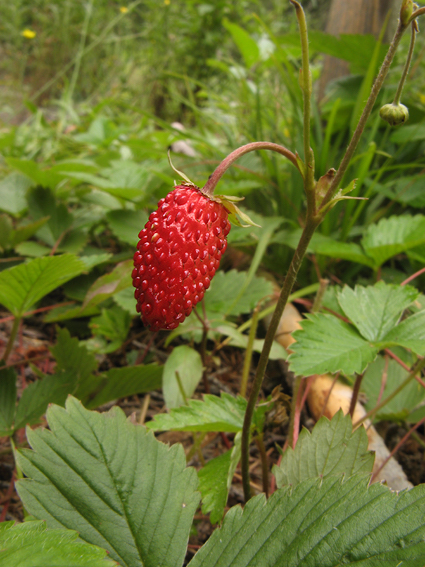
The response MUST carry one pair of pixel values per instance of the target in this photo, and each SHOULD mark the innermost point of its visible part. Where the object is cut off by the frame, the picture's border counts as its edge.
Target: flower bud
(406, 11)
(394, 114)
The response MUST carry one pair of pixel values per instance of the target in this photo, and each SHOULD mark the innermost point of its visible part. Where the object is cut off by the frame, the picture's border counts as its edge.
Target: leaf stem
(12, 338)
(236, 154)
(249, 351)
(406, 65)
(377, 85)
(264, 463)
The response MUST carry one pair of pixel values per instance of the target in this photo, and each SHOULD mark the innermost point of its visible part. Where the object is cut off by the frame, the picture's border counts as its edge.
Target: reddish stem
(412, 277)
(236, 154)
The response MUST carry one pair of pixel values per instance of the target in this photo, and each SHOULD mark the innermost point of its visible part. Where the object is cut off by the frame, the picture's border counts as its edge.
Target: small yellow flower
(167, 2)
(29, 34)
(123, 9)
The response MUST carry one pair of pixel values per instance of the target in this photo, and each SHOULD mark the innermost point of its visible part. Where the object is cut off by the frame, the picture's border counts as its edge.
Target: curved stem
(377, 85)
(406, 65)
(311, 225)
(417, 13)
(227, 162)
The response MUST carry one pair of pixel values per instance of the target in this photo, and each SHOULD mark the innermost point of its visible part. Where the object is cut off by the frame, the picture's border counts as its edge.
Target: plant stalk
(397, 96)
(377, 85)
(249, 351)
(311, 225)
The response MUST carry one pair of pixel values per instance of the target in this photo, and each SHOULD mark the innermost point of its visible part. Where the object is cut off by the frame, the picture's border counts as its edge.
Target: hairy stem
(310, 227)
(264, 463)
(232, 157)
(377, 85)
(406, 65)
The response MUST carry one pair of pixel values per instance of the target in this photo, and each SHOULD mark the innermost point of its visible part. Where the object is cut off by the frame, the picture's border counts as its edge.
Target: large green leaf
(404, 402)
(212, 414)
(332, 448)
(392, 236)
(327, 344)
(22, 286)
(31, 545)
(410, 333)
(126, 381)
(246, 45)
(187, 362)
(113, 482)
(322, 523)
(375, 310)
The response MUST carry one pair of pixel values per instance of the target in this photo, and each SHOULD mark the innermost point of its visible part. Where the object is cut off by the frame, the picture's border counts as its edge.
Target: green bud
(394, 114)
(406, 11)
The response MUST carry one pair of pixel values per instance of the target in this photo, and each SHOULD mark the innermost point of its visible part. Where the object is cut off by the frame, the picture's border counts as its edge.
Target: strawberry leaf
(113, 482)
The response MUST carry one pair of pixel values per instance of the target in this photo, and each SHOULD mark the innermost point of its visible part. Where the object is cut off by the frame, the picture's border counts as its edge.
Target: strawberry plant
(107, 489)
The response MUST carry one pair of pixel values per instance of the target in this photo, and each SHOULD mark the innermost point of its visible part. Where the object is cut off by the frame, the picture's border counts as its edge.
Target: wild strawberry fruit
(178, 253)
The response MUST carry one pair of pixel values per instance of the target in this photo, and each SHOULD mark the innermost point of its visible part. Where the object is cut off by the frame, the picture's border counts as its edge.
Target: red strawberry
(178, 253)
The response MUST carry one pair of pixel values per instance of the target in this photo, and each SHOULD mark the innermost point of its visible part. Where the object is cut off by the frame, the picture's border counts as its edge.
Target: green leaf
(109, 284)
(215, 480)
(225, 287)
(331, 522)
(212, 414)
(13, 189)
(410, 334)
(112, 324)
(327, 344)
(7, 399)
(42, 203)
(240, 340)
(53, 389)
(375, 310)
(31, 545)
(38, 176)
(188, 363)
(24, 232)
(126, 381)
(246, 45)
(126, 224)
(393, 235)
(125, 299)
(403, 403)
(112, 481)
(22, 286)
(72, 356)
(341, 250)
(331, 449)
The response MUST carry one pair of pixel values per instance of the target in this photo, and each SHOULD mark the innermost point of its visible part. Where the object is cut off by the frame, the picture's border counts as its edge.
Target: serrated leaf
(22, 286)
(375, 310)
(126, 381)
(31, 545)
(410, 334)
(7, 399)
(391, 236)
(320, 523)
(225, 287)
(327, 344)
(112, 324)
(112, 481)
(188, 363)
(331, 449)
(212, 414)
(72, 356)
(404, 402)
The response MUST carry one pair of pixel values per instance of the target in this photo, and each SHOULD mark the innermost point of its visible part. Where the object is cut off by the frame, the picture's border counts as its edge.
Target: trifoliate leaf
(327, 344)
(322, 523)
(332, 448)
(113, 482)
